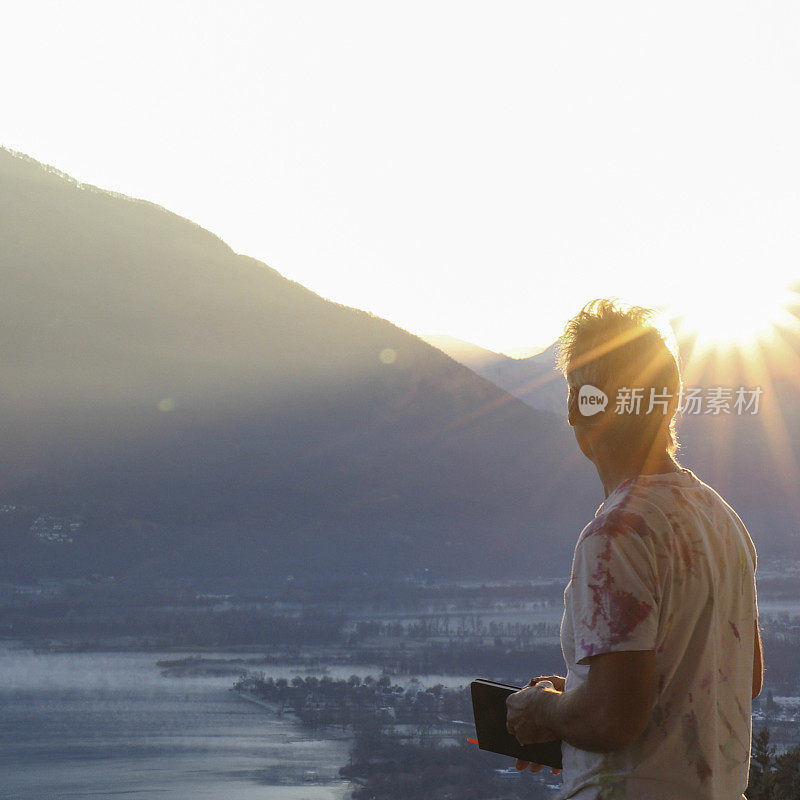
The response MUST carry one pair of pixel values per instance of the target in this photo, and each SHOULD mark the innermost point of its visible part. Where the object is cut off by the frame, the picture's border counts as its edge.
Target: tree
(762, 761)
(787, 775)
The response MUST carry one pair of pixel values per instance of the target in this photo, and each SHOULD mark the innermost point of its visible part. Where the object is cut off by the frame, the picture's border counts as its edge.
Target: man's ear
(574, 415)
(572, 406)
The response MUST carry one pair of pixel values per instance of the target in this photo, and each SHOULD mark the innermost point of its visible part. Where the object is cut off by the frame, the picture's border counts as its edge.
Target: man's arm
(758, 664)
(609, 711)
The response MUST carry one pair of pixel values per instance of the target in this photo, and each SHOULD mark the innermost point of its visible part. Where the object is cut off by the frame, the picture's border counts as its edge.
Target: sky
(474, 169)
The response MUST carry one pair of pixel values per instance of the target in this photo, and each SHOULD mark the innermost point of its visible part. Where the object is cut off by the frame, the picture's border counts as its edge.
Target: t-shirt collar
(682, 477)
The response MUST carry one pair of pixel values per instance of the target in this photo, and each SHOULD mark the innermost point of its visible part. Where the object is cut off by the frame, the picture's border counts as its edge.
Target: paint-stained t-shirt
(667, 565)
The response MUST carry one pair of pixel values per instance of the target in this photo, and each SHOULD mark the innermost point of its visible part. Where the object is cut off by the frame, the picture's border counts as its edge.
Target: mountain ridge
(153, 374)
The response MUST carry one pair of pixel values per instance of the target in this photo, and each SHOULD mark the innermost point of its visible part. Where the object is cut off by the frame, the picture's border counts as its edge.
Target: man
(660, 628)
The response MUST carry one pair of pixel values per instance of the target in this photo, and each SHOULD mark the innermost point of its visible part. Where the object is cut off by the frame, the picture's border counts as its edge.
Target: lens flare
(739, 316)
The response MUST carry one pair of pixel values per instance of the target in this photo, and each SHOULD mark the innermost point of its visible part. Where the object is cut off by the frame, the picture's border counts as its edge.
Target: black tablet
(489, 708)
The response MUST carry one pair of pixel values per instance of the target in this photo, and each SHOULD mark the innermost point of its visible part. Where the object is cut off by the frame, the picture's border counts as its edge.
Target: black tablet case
(489, 708)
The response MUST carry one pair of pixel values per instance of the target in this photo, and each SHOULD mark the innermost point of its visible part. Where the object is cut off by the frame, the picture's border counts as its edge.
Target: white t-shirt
(668, 566)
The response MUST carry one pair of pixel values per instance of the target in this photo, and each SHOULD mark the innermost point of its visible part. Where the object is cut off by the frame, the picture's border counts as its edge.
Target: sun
(738, 316)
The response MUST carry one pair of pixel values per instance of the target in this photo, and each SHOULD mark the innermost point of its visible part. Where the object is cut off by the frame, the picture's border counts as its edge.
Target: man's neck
(613, 471)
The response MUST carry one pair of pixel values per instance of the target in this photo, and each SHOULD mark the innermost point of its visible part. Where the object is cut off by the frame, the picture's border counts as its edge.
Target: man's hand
(549, 684)
(525, 711)
(559, 682)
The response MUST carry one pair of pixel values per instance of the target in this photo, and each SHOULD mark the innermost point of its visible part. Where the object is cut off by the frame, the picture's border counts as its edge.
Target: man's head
(614, 349)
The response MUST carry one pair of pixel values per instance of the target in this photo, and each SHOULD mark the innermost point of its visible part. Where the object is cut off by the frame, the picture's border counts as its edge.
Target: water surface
(108, 725)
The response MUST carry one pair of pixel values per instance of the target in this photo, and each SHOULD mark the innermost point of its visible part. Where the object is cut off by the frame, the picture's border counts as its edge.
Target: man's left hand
(525, 711)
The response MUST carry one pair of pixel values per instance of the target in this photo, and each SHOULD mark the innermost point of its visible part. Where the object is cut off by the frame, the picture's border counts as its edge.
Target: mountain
(467, 353)
(192, 412)
(534, 379)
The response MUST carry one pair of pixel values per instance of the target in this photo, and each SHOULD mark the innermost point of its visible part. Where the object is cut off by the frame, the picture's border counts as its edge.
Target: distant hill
(201, 414)
(467, 353)
(534, 379)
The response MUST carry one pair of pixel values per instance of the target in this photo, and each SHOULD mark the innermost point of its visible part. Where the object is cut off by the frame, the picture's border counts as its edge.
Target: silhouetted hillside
(202, 414)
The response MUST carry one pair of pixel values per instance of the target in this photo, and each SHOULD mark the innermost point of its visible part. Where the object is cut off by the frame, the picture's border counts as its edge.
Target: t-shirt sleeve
(614, 590)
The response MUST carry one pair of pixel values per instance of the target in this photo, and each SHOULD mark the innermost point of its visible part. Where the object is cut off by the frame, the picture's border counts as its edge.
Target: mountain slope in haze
(204, 415)
(533, 380)
(471, 355)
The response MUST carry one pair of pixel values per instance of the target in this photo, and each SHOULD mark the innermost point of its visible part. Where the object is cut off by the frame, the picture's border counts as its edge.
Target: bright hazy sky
(476, 169)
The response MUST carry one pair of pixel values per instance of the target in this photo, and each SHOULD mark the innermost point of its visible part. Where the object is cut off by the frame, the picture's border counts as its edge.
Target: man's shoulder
(619, 528)
(628, 518)
(655, 497)
(634, 509)
(659, 506)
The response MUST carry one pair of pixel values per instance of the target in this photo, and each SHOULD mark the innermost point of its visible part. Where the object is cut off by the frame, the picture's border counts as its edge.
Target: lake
(108, 725)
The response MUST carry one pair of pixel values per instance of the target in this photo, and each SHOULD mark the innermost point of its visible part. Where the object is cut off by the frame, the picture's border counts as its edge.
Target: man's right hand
(558, 684)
